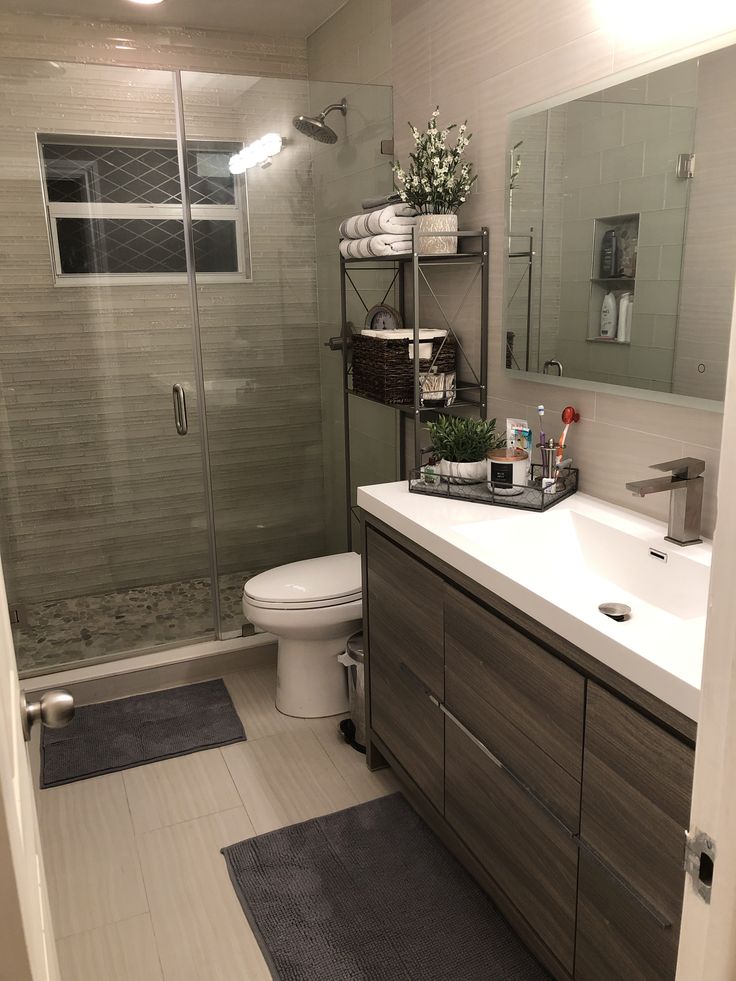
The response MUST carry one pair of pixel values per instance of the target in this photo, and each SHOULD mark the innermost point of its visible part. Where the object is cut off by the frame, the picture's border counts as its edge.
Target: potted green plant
(436, 182)
(462, 445)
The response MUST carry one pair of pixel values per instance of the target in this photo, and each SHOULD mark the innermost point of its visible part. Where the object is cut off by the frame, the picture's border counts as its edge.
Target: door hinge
(14, 613)
(685, 166)
(700, 860)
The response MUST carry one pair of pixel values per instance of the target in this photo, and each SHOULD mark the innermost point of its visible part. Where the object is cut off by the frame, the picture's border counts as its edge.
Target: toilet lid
(329, 579)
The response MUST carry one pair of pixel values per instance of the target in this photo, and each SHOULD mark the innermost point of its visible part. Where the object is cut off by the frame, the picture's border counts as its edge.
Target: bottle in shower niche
(625, 307)
(609, 265)
(609, 316)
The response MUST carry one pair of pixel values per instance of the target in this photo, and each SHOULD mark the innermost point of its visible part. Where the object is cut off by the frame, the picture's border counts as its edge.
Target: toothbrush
(542, 439)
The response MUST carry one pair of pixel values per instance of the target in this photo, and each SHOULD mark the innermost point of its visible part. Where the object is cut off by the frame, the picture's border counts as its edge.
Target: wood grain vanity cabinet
(407, 663)
(637, 780)
(563, 787)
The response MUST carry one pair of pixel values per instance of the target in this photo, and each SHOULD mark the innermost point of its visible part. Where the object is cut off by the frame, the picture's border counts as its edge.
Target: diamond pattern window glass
(115, 208)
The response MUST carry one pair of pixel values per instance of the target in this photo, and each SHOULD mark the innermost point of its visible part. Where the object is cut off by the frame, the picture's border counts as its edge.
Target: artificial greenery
(461, 440)
(436, 182)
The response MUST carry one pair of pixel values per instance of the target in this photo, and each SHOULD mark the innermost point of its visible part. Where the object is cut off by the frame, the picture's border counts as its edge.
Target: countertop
(657, 649)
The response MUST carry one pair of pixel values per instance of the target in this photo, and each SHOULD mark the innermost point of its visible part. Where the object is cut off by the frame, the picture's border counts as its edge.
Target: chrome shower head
(316, 128)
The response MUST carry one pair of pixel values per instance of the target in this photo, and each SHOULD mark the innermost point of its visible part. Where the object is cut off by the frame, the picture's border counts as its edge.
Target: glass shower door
(104, 529)
(274, 391)
(259, 334)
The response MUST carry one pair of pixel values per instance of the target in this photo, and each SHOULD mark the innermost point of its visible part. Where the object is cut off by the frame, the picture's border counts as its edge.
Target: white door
(708, 936)
(28, 952)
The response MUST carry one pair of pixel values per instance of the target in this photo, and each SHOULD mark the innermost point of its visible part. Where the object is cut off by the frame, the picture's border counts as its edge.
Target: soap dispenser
(609, 316)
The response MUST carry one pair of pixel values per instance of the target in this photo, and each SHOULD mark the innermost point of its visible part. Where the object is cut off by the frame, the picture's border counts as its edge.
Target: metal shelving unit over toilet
(472, 394)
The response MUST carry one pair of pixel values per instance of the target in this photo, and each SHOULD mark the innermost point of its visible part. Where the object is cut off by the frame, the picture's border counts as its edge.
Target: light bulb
(271, 143)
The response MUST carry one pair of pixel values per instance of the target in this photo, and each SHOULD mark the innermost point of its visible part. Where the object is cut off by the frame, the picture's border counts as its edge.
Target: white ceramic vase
(437, 244)
(464, 473)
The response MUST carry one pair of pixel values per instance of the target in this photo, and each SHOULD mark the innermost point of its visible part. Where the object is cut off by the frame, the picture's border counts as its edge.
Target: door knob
(55, 709)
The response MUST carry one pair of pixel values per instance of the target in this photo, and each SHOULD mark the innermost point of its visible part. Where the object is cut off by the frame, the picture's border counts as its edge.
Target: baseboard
(157, 670)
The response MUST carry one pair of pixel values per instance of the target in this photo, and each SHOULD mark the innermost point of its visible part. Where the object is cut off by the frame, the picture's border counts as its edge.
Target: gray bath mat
(370, 894)
(132, 731)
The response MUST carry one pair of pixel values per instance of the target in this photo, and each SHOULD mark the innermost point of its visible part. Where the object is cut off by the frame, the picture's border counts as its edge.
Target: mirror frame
(570, 95)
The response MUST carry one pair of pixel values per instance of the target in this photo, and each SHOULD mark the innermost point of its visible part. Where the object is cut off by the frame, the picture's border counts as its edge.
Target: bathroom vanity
(528, 744)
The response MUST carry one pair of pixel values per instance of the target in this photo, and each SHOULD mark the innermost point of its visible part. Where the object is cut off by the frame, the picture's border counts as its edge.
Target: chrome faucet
(686, 500)
(553, 362)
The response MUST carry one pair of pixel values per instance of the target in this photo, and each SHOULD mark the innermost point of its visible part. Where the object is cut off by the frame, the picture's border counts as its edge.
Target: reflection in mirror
(622, 233)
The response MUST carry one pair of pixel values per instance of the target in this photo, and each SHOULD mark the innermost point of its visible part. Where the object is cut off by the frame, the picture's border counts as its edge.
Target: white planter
(440, 244)
(464, 473)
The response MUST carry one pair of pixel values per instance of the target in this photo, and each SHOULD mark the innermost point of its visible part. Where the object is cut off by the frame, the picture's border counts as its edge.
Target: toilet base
(310, 682)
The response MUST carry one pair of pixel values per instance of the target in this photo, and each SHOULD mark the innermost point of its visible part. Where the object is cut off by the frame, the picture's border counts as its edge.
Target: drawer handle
(502, 766)
(660, 919)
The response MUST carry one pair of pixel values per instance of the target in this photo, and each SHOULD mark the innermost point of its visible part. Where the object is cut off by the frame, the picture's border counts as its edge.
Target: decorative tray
(530, 497)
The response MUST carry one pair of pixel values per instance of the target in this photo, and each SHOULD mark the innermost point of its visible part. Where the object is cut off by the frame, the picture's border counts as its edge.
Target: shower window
(115, 210)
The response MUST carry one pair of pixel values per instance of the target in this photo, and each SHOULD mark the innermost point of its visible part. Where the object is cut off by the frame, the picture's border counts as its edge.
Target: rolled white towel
(393, 220)
(375, 245)
(372, 204)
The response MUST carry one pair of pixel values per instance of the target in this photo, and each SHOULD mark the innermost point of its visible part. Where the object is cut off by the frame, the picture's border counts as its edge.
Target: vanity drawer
(405, 620)
(409, 723)
(637, 784)
(526, 685)
(531, 858)
(547, 780)
(616, 936)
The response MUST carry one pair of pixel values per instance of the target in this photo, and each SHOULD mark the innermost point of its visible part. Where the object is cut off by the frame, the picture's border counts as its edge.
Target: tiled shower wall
(98, 491)
(354, 45)
(704, 327)
(620, 154)
(483, 60)
(536, 211)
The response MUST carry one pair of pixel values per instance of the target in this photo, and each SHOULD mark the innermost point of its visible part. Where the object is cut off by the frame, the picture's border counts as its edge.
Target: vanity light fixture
(258, 153)
(147, 3)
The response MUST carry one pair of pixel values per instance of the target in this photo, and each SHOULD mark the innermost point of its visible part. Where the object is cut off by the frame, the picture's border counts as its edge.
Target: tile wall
(704, 328)
(108, 43)
(536, 210)
(620, 154)
(354, 45)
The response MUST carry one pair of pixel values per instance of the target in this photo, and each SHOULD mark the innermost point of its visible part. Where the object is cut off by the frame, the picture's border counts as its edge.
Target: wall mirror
(621, 227)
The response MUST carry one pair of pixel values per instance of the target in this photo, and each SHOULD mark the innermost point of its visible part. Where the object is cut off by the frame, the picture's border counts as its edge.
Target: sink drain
(616, 611)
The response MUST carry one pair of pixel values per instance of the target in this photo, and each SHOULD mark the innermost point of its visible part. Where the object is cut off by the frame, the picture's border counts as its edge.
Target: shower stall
(168, 412)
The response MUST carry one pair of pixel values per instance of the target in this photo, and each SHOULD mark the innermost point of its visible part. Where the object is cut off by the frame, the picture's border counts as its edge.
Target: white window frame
(237, 213)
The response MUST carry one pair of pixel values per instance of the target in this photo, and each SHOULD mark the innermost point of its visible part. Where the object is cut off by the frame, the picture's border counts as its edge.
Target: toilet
(312, 607)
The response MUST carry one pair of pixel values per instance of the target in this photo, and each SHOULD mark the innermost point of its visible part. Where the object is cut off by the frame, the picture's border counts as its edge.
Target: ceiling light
(147, 3)
(255, 154)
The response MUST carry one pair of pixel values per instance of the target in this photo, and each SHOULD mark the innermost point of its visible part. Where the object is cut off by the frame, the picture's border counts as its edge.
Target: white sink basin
(560, 566)
(580, 562)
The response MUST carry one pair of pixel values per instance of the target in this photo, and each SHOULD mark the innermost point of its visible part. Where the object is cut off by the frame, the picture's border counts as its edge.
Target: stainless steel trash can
(354, 660)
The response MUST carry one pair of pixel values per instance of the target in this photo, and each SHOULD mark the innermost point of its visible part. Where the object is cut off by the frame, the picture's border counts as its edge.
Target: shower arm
(342, 106)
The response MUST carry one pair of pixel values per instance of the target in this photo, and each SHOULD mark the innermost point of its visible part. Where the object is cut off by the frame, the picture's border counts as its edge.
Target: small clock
(383, 317)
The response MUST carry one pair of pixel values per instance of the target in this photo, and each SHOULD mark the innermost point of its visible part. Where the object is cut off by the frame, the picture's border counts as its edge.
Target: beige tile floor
(139, 890)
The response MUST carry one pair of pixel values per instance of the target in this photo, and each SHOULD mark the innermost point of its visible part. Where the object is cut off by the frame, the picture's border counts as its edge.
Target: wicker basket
(383, 370)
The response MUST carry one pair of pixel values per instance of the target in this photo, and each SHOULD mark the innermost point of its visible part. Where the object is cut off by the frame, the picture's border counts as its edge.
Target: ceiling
(294, 18)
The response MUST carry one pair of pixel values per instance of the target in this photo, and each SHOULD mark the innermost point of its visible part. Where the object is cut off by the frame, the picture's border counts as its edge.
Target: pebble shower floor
(82, 628)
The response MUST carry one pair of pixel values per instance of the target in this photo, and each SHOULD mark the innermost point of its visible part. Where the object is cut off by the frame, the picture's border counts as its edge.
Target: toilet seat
(330, 580)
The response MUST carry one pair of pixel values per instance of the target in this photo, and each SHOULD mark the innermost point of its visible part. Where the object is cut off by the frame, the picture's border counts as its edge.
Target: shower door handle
(180, 409)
